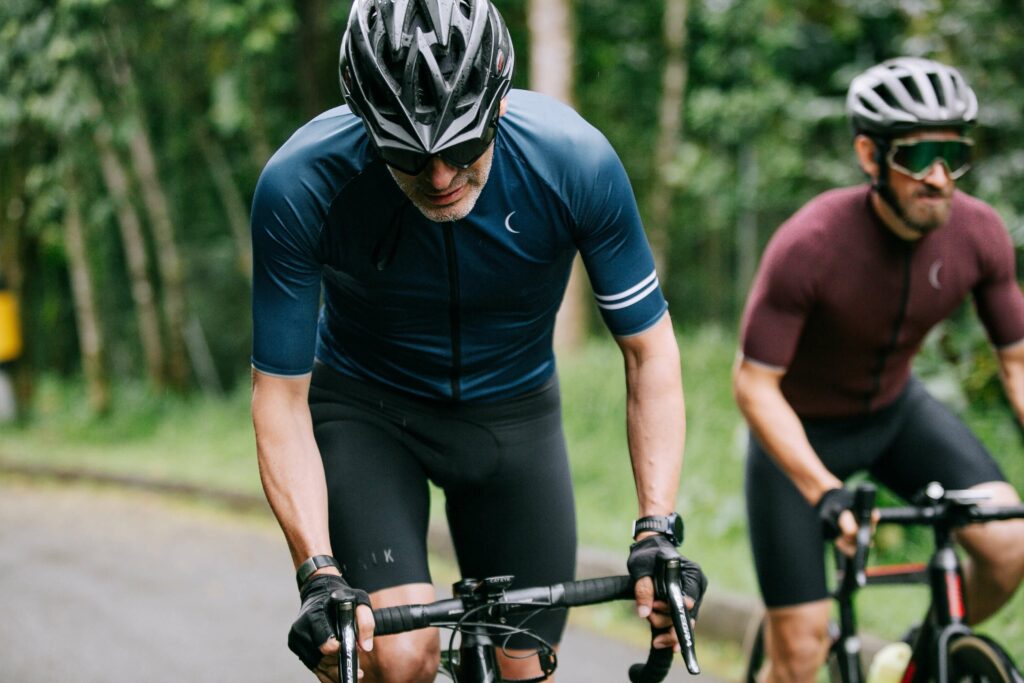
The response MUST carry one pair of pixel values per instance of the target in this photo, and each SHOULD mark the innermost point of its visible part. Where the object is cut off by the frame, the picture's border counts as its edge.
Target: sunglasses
(916, 157)
(462, 155)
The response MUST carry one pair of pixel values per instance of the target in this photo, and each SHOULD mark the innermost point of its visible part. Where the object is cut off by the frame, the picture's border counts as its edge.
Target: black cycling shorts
(503, 467)
(904, 446)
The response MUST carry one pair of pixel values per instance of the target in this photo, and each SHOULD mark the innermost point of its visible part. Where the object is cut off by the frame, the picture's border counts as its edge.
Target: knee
(1000, 560)
(400, 660)
(797, 649)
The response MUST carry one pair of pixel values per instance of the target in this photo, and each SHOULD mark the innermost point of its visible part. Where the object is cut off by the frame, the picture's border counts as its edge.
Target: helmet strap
(881, 183)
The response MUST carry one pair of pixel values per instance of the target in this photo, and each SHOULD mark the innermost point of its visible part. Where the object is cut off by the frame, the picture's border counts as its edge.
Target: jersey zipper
(453, 307)
(897, 325)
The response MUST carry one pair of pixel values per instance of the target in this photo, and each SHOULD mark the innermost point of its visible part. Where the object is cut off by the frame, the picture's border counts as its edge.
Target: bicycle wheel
(977, 659)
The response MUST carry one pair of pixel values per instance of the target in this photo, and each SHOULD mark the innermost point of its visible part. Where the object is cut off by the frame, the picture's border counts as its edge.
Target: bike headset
(426, 77)
(903, 95)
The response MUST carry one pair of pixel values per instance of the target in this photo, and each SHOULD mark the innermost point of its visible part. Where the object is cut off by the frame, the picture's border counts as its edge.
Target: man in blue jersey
(439, 215)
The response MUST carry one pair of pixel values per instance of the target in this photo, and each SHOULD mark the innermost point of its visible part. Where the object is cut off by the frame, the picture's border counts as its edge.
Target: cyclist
(846, 291)
(439, 213)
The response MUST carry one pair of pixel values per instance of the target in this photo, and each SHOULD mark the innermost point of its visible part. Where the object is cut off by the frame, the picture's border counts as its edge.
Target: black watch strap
(670, 526)
(312, 564)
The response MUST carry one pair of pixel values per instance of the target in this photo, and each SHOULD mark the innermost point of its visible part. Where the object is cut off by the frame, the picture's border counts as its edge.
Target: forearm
(778, 429)
(292, 473)
(656, 421)
(1011, 372)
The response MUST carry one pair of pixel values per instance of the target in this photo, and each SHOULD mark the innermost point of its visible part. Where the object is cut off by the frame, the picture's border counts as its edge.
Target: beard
(926, 209)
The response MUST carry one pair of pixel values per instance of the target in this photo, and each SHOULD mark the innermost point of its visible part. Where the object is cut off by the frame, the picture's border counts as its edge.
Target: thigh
(785, 534)
(798, 632)
(521, 519)
(996, 542)
(378, 499)
(932, 444)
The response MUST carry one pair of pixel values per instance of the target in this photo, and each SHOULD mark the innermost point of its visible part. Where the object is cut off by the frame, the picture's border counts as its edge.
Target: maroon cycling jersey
(842, 304)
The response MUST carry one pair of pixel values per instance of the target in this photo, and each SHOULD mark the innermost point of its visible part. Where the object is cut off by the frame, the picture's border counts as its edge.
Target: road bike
(943, 648)
(480, 611)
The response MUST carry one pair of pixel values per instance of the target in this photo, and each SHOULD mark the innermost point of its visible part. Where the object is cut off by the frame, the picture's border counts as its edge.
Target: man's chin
(926, 221)
(447, 214)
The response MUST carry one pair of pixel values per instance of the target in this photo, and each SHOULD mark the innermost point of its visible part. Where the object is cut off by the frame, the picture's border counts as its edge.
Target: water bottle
(889, 664)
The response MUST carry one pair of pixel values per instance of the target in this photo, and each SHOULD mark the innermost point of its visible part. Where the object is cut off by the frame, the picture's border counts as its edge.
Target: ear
(865, 150)
(503, 107)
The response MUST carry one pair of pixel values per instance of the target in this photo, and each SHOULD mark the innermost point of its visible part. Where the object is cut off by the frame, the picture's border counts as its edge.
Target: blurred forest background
(132, 133)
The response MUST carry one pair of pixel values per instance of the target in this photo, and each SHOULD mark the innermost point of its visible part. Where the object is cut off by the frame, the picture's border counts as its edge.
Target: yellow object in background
(10, 327)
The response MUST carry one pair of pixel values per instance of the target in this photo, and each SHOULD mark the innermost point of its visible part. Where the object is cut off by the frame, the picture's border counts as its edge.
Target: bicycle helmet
(908, 93)
(425, 74)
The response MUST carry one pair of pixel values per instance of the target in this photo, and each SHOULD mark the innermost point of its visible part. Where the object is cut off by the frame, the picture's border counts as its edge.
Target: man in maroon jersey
(846, 292)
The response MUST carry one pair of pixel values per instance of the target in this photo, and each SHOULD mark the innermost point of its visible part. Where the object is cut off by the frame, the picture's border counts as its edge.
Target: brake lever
(344, 611)
(863, 506)
(671, 589)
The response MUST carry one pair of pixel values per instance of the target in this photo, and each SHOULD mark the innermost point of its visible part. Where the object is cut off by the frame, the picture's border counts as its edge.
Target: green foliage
(764, 127)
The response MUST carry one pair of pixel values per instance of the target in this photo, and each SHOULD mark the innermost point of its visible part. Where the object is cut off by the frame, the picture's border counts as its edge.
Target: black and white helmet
(425, 74)
(907, 93)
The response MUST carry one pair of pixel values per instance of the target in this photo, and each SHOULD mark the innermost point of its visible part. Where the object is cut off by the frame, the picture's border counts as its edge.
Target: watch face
(676, 522)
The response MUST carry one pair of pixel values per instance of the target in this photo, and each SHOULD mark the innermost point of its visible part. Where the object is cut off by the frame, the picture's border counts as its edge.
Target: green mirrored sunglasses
(915, 157)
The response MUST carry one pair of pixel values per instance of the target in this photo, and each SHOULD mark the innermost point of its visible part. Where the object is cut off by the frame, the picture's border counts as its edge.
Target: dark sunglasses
(462, 155)
(916, 157)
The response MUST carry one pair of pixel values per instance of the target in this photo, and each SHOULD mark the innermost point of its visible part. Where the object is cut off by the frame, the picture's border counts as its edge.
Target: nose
(439, 173)
(938, 175)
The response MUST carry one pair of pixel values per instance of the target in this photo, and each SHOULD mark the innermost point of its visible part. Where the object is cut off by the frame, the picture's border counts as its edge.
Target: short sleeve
(780, 300)
(286, 277)
(612, 242)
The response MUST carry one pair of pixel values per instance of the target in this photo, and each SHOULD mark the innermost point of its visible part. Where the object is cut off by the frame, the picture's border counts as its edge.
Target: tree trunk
(317, 64)
(551, 72)
(116, 180)
(746, 226)
(670, 125)
(168, 259)
(231, 197)
(90, 336)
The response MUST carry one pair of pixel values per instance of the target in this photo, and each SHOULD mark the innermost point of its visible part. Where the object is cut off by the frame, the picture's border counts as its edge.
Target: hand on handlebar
(312, 636)
(838, 510)
(644, 556)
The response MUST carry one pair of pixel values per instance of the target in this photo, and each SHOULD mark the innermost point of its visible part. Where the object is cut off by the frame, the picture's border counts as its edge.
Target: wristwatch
(312, 564)
(670, 526)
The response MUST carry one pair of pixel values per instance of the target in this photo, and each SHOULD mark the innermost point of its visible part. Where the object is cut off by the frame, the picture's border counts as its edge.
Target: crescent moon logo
(933, 275)
(508, 226)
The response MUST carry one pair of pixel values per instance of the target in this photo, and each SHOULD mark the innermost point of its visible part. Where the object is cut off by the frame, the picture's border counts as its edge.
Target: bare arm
(293, 480)
(655, 416)
(1011, 371)
(776, 425)
(656, 431)
(290, 465)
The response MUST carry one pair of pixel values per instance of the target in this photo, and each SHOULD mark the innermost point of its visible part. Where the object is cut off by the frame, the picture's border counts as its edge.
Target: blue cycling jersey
(463, 310)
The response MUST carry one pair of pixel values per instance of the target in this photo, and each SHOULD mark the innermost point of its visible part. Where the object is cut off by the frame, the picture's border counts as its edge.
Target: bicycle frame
(945, 619)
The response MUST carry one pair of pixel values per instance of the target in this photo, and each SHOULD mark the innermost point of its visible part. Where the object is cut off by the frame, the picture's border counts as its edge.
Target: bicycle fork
(946, 618)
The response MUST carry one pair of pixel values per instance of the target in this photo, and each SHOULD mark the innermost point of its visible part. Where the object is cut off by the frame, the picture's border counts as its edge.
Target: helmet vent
(938, 89)
(426, 99)
(911, 87)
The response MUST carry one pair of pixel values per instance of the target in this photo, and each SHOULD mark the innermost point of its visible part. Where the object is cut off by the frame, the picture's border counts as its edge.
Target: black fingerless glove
(829, 507)
(643, 558)
(314, 626)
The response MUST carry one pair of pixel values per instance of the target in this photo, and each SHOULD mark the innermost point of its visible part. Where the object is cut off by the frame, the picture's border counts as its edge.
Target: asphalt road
(104, 586)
